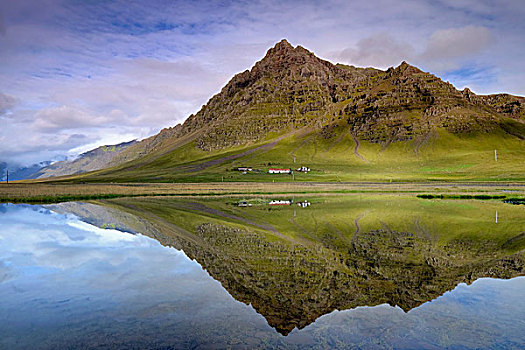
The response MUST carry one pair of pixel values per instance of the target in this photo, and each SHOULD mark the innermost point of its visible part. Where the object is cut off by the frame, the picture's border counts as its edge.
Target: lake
(355, 271)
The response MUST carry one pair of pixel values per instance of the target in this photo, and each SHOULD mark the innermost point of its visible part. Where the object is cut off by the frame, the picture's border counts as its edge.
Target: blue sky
(78, 74)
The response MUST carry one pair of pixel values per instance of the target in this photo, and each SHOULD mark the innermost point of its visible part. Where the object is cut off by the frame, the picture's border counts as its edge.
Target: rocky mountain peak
(405, 69)
(284, 56)
(281, 46)
(291, 88)
(280, 51)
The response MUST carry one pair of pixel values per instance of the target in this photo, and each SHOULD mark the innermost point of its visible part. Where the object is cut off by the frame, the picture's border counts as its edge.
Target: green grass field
(334, 220)
(438, 157)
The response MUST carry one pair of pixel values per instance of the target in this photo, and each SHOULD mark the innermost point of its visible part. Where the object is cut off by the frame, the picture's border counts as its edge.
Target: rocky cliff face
(288, 89)
(291, 88)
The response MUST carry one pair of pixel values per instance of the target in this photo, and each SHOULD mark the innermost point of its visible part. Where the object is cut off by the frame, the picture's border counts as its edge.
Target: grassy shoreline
(56, 192)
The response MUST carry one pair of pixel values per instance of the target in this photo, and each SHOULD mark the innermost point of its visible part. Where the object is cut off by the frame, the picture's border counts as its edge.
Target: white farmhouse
(279, 171)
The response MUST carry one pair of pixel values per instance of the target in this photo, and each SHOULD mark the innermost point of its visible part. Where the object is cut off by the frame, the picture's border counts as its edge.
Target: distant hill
(95, 159)
(344, 122)
(21, 173)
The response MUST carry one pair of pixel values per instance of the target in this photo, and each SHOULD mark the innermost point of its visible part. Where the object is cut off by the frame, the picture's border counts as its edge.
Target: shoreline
(19, 192)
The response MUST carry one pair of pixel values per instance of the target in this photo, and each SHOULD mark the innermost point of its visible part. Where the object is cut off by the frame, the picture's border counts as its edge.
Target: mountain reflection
(295, 264)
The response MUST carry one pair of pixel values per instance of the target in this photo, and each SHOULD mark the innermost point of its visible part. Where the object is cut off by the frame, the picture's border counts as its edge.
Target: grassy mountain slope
(345, 123)
(444, 156)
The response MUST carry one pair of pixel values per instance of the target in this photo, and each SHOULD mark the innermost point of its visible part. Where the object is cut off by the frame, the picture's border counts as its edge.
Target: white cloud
(445, 47)
(114, 69)
(21, 146)
(61, 241)
(64, 117)
(444, 50)
(380, 50)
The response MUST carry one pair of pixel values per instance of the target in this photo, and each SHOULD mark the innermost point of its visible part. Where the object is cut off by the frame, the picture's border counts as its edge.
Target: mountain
(101, 157)
(95, 159)
(341, 120)
(21, 173)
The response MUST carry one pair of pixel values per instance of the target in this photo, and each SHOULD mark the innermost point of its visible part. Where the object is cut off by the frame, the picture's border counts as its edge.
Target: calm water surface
(69, 284)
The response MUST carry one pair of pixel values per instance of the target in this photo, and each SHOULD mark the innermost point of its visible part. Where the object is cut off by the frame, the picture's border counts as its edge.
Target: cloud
(62, 244)
(6, 103)
(64, 117)
(380, 50)
(109, 70)
(27, 147)
(445, 47)
(444, 50)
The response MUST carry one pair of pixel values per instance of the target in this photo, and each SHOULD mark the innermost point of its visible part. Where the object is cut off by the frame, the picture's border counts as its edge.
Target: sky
(75, 74)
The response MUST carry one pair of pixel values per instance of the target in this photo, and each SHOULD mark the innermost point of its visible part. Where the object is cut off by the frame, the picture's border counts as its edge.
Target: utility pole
(7, 176)
(496, 155)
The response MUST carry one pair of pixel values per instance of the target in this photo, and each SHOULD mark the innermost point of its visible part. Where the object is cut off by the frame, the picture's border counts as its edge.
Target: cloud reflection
(67, 284)
(61, 241)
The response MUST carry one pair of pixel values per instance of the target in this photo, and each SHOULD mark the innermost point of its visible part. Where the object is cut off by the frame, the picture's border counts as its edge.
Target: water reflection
(340, 253)
(69, 281)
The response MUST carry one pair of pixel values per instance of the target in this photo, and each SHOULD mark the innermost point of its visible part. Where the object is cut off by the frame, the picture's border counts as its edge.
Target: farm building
(303, 169)
(243, 168)
(280, 202)
(304, 204)
(279, 171)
